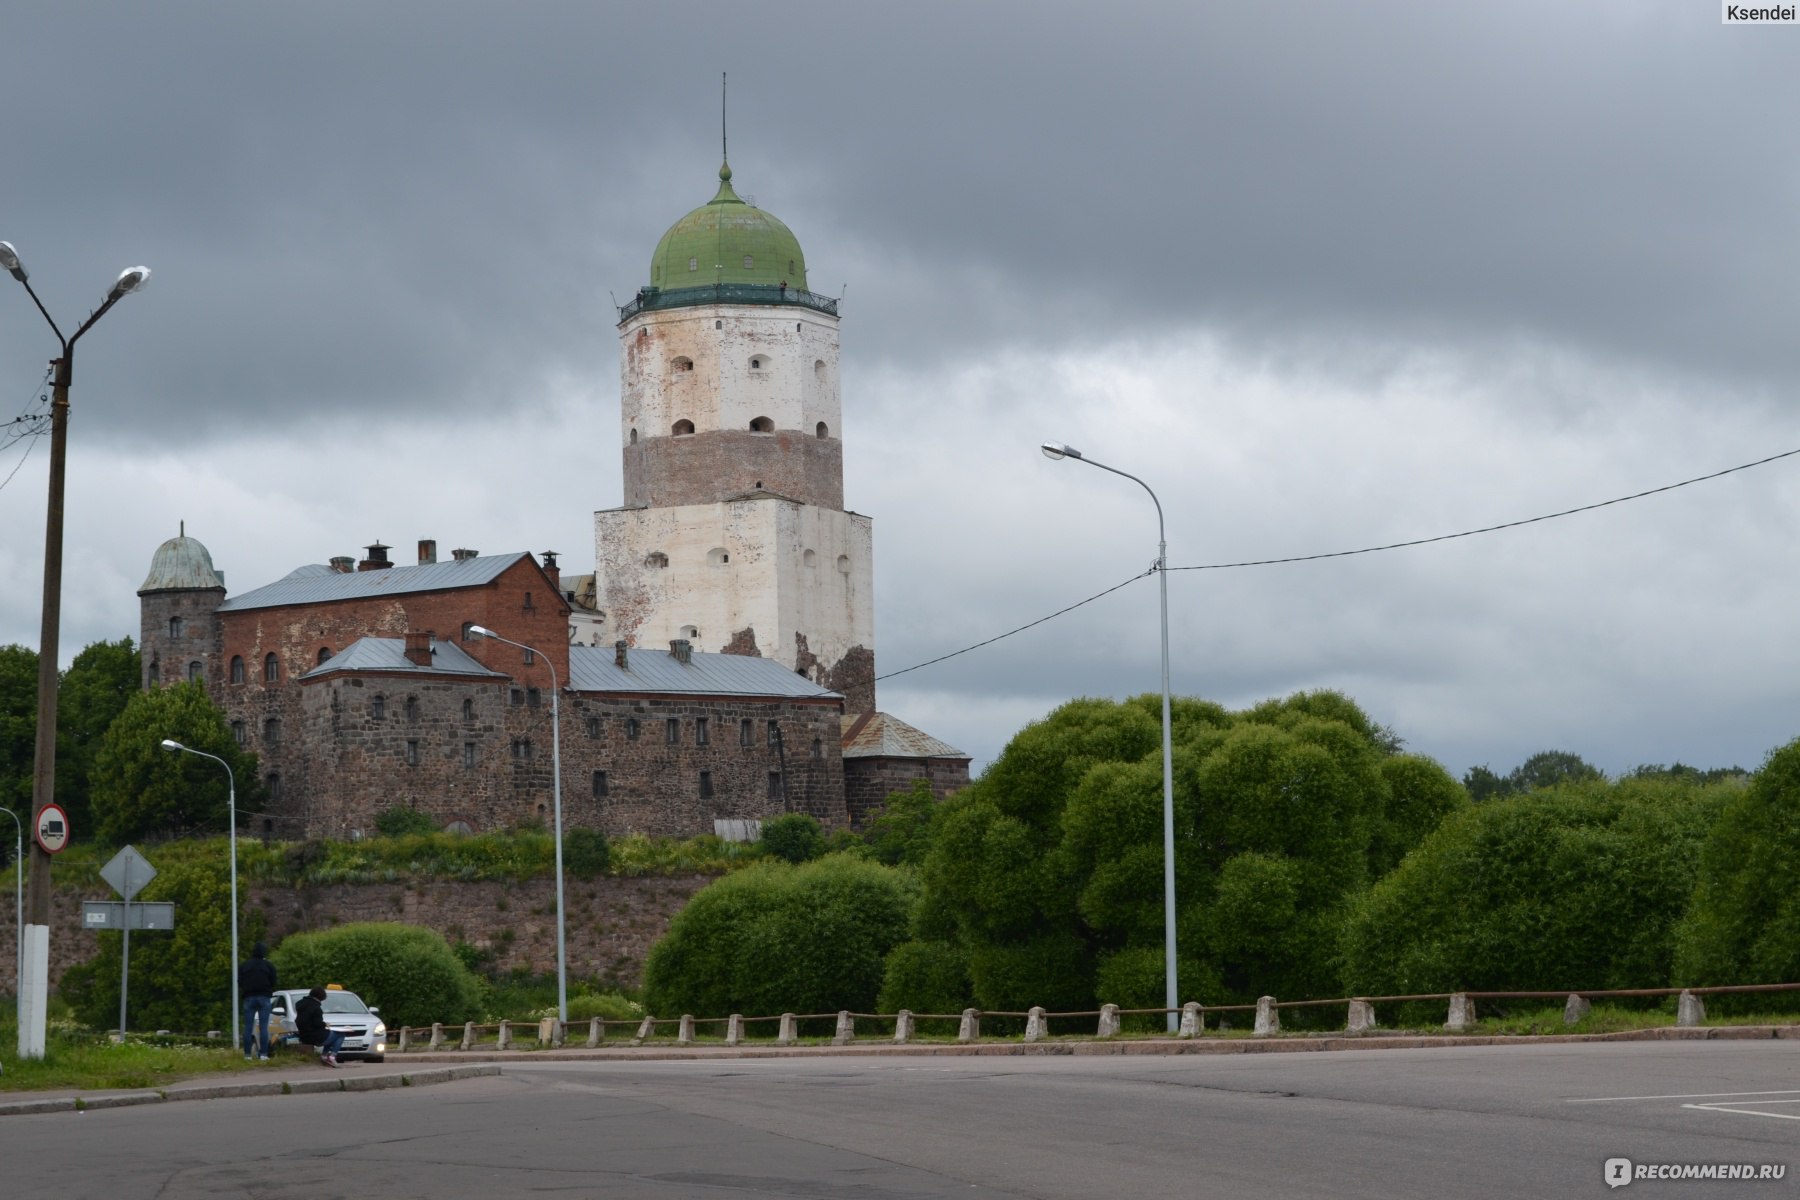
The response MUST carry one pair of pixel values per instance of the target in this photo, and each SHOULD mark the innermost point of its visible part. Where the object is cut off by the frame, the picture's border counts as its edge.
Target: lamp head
(171, 744)
(1055, 450)
(482, 631)
(132, 279)
(9, 258)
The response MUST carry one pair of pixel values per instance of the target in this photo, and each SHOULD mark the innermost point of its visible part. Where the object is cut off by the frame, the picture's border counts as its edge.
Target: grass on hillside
(80, 1058)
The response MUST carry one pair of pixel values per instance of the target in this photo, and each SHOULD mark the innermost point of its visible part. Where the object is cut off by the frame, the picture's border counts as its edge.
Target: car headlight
(380, 1030)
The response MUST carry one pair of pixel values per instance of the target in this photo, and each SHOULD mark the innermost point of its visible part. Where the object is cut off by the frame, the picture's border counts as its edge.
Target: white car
(365, 1034)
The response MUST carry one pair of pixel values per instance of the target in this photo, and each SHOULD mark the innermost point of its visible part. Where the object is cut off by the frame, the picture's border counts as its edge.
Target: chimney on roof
(343, 564)
(427, 551)
(418, 647)
(464, 555)
(377, 560)
(551, 570)
(621, 656)
(682, 651)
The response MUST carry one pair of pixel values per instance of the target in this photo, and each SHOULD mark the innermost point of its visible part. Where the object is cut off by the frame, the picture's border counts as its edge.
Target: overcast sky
(1324, 276)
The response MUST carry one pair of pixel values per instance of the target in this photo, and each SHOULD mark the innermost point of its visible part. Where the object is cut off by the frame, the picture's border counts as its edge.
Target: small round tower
(179, 605)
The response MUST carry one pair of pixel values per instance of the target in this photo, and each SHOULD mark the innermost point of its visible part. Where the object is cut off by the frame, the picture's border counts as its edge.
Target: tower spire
(724, 143)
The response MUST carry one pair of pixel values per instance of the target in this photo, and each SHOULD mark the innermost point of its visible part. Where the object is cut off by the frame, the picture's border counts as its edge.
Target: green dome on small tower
(727, 241)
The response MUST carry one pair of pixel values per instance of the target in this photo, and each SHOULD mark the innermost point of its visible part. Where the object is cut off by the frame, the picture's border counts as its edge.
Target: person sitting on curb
(309, 1025)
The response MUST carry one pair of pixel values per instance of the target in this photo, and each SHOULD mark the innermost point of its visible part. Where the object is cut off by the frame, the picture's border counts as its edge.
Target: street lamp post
(562, 957)
(43, 772)
(18, 915)
(175, 747)
(1171, 997)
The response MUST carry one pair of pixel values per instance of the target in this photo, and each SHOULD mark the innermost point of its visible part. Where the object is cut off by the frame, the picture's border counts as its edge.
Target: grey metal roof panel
(314, 584)
(592, 669)
(389, 655)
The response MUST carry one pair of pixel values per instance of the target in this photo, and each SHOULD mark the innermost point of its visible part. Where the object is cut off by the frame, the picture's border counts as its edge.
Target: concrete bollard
(1690, 1010)
(1268, 1017)
(546, 1034)
(596, 1031)
(402, 1044)
(1109, 1021)
(846, 1029)
(646, 1029)
(1193, 1020)
(1462, 1014)
(1362, 1017)
(970, 1029)
(903, 1027)
(468, 1037)
(505, 1035)
(684, 1036)
(437, 1036)
(789, 1032)
(1034, 1024)
(734, 1029)
(1575, 1008)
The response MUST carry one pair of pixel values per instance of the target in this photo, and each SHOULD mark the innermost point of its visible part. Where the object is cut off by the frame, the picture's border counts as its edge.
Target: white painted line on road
(1749, 1112)
(1686, 1096)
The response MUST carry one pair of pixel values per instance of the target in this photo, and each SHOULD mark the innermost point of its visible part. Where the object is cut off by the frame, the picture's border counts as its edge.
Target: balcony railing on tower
(726, 293)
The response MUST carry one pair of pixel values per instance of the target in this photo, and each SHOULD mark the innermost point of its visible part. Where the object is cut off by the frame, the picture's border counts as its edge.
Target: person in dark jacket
(309, 1025)
(256, 987)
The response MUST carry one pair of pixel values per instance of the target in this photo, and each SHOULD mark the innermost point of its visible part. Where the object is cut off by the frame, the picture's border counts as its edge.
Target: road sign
(128, 872)
(52, 828)
(110, 914)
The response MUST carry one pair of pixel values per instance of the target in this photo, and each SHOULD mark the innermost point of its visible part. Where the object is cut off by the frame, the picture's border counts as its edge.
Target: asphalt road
(1535, 1121)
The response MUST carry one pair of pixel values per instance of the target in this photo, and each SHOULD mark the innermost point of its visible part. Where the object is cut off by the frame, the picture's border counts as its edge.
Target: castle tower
(178, 606)
(734, 534)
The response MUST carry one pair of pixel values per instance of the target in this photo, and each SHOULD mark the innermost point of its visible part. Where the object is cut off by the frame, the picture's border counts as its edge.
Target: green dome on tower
(726, 241)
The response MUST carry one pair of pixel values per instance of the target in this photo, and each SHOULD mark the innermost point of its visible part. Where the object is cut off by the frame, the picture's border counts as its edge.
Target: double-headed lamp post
(1171, 997)
(43, 770)
(562, 957)
(175, 747)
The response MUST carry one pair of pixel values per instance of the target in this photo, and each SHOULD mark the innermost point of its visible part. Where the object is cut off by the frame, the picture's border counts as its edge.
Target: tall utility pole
(33, 987)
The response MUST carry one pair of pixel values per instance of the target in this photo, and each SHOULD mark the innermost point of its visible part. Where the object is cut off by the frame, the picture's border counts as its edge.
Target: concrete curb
(231, 1091)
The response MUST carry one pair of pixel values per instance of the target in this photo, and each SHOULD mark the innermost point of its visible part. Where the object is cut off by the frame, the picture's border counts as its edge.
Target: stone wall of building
(179, 636)
(869, 781)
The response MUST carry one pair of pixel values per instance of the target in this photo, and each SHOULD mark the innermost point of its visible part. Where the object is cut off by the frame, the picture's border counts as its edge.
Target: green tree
(776, 938)
(901, 832)
(407, 971)
(1575, 886)
(93, 692)
(18, 729)
(1546, 768)
(142, 790)
(1744, 923)
(793, 837)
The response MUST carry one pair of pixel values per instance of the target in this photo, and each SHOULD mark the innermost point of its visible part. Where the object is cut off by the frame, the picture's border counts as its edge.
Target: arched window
(693, 263)
(412, 708)
(819, 369)
(273, 782)
(272, 731)
(844, 564)
(459, 827)
(324, 655)
(749, 262)
(656, 558)
(271, 668)
(822, 430)
(634, 437)
(237, 732)
(682, 428)
(762, 425)
(818, 748)
(174, 627)
(195, 669)
(468, 630)
(718, 557)
(810, 559)
(468, 710)
(682, 363)
(691, 632)
(237, 668)
(758, 363)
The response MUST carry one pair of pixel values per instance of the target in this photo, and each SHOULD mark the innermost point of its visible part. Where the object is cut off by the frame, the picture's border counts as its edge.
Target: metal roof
(881, 735)
(316, 583)
(591, 669)
(181, 564)
(389, 655)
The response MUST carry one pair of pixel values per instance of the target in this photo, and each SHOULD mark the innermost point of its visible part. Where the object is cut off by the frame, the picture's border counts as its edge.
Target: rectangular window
(237, 732)
(529, 656)
(746, 732)
(599, 785)
(468, 754)
(631, 729)
(706, 790)
(521, 748)
(412, 753)
(774, 785)
(701, 734)
(518, 697)
(672, 731)
(532, 698)
(272, 731)
(593, 727)
(774, 734)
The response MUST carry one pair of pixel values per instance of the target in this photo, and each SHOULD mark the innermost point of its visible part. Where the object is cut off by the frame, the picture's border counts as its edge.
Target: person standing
(256, 993)
(309, 1025)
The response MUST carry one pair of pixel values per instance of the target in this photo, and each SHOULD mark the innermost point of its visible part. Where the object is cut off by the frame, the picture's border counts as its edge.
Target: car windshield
(344, 1002)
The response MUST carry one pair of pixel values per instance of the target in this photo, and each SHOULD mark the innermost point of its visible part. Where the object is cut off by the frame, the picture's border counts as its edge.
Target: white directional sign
(110, 914)
(52, 828)
(128, 872)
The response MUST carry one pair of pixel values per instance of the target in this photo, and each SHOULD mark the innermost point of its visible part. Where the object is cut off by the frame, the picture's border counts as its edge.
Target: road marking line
(1746, 1112)
(1686, 1096)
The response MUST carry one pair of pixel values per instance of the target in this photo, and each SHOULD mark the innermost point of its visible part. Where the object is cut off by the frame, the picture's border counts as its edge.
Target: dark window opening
(378, 707)
(706, 787)
(273, 783)
(272, 731)
(682, 428)
(468, 710)
(593, 727)
(762, 425)
(521, 748)
(599, 785)
(237, 668)
(518, 697)
(702, 734)
(818, 748)
(533, 697)
(631, 729)
(271, 668)
(174, 627)
(672, 731)
(195, 669)
(412, 708)
(412, 753)
(746, 732)
(774, 785)
(468, 754)
(774, 734)
(237, 732)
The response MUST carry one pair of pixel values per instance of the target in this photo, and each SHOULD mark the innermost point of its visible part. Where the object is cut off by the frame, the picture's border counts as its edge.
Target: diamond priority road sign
(128, 872)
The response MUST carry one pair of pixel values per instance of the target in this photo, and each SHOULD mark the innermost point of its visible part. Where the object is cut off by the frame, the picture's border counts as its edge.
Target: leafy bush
(1577, 886)
(608, 1006)
(793, 837)
(925, 977)
(585, 853)
(409, 972)
(778, 938)
(901, 831)
(399, 821)
(1744, 923)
